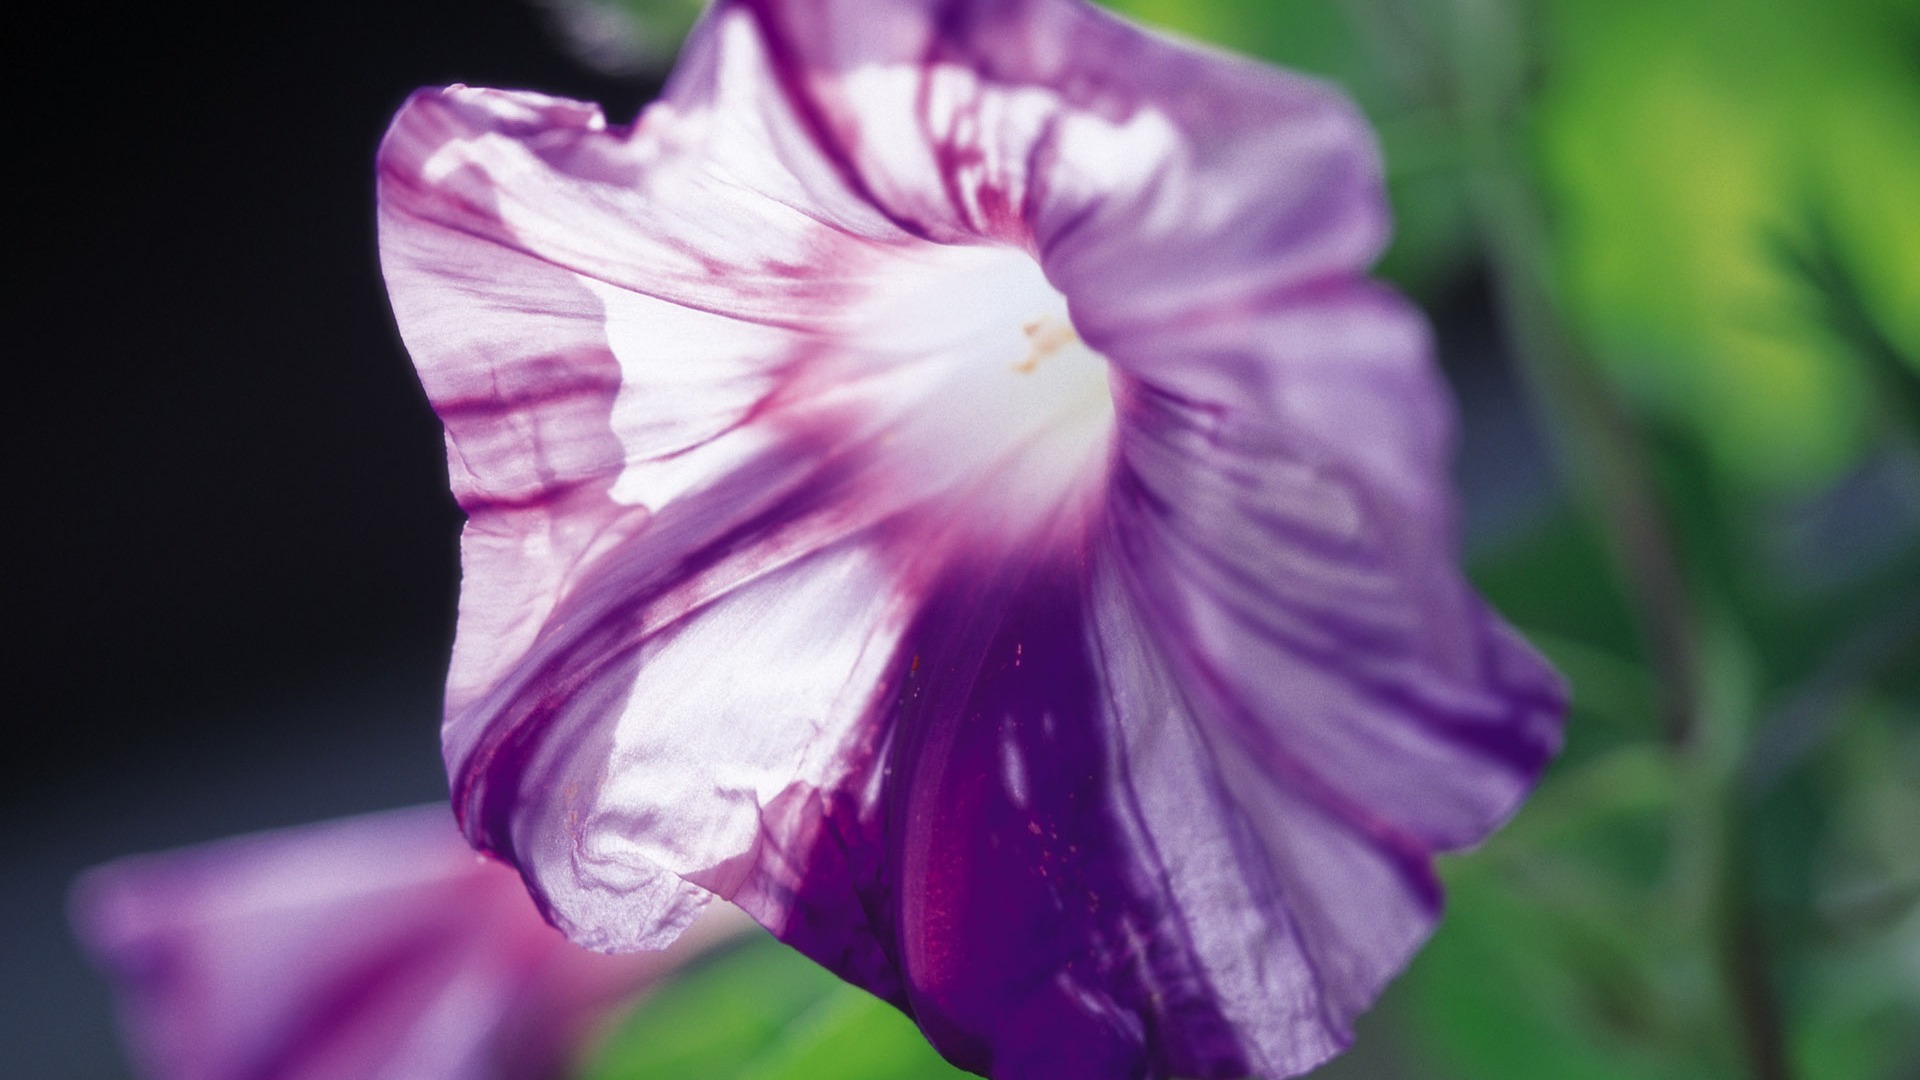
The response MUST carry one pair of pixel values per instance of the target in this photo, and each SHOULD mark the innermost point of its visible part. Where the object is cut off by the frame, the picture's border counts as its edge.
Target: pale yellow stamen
(1045, 336)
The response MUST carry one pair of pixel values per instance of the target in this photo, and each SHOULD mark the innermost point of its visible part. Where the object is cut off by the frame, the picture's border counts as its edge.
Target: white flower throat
(996, 392)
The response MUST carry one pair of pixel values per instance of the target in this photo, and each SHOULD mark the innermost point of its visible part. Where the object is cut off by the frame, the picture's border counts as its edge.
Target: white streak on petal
(1013, 764)
(757, 693)
(688, 380)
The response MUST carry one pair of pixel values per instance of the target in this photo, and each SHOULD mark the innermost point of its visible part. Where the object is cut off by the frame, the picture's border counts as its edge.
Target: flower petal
(503, 217)
(1299, 554)
(374, 947)
(1106, 742)
(1343, 708)
(1049, 125)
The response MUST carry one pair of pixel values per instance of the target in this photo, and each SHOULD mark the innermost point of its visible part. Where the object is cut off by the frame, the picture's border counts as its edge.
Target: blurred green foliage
(1681, 142)
(761, 1011)
(1713, 208)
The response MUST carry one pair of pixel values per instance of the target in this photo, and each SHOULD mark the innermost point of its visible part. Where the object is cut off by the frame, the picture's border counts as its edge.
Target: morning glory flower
(376, 948)
(942, 480)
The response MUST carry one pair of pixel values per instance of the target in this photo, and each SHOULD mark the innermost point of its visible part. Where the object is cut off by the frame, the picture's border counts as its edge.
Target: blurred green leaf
(1678, 137)
(851, 1035)
(1606, 687)
(762, 1011)
(715, 1018)
(1638, 781)
(1556, 580)
(1517, 988)
(1312, 37)
(1851, 1045)
(1837, 299)
(1856, 991)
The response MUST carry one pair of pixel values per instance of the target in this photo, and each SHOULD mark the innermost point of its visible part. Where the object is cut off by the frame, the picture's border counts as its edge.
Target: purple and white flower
(942, 480)
(371, 948)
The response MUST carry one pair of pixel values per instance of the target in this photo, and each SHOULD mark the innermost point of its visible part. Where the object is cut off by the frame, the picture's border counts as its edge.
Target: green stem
(1744, 952)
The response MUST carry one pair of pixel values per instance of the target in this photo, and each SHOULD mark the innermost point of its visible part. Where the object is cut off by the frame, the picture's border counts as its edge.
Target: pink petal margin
(370, 948)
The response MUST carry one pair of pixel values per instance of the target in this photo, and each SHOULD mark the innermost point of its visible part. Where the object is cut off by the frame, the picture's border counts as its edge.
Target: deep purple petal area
(1034, 940)
(1134, 765)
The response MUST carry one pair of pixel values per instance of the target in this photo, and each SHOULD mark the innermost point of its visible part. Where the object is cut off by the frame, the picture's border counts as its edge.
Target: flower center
(1047, 335)
(1002, 407)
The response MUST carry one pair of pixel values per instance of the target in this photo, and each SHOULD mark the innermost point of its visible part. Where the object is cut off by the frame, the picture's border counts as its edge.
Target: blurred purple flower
(942, 480)
(374, 948)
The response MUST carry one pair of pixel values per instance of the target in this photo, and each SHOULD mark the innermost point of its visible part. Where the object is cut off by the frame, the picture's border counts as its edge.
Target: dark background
(231, 556)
